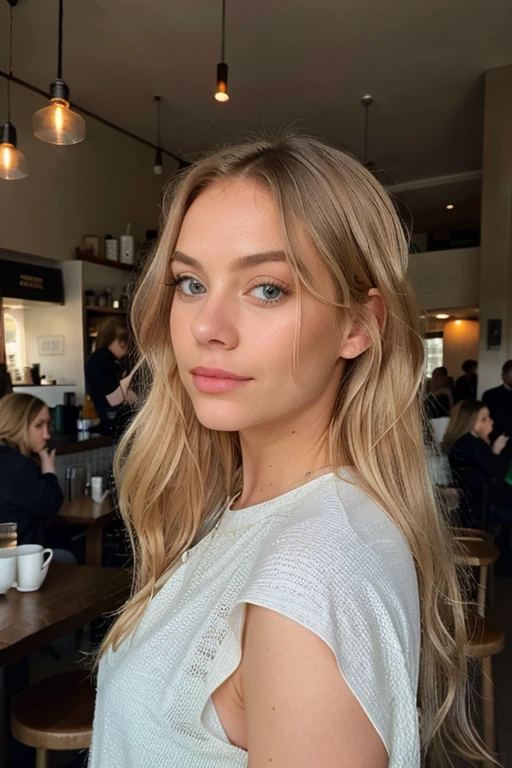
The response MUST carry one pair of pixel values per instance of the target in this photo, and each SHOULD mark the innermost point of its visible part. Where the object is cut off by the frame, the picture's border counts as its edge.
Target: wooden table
(71, 596)
(95, 516)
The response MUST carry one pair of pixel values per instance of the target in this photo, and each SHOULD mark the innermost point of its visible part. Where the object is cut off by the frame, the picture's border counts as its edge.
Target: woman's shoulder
(12, 460)
(343, 525)
(338, 548)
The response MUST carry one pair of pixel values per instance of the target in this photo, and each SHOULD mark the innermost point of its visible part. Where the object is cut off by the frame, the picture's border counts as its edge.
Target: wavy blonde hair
(17, 411)
(172, 471)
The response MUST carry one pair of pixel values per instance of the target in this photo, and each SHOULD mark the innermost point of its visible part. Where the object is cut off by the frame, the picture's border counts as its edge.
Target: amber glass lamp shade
(57, 123)
(13, 164)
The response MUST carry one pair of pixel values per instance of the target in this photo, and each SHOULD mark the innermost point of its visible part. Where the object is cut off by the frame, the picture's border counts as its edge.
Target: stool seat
(485, 638)
(55, 713)
(476, 552)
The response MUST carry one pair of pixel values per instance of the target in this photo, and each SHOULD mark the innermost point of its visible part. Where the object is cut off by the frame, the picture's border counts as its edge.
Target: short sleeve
(356, 590)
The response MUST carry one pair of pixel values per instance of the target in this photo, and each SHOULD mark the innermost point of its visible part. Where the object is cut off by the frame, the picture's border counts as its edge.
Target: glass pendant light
(57, 123)
(158, 166)
(222, 68)
(13, 164)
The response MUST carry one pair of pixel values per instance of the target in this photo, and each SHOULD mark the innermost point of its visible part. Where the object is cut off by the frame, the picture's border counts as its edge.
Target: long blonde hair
(17, 411)
(172, 471)
(463, 417)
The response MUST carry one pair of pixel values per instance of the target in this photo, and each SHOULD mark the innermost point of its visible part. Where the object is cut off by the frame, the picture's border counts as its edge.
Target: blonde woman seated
(295, 592)
(475, 461)
(30, 494)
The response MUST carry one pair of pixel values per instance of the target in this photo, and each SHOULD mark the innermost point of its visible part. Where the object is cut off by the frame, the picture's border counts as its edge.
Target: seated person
(104, 379)
(30, 494)
(474, 460)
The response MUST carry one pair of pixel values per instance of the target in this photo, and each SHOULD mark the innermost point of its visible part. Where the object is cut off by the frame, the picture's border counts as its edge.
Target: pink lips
(216, 381)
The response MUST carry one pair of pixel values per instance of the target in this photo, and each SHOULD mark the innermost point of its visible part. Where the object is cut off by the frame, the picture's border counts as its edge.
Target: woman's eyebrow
(242, 262)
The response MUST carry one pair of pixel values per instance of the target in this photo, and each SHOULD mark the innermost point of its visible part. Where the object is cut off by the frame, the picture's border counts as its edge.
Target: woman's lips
(216, 381)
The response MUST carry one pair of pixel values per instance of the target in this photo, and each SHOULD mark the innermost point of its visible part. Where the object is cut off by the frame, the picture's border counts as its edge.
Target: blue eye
(268, 292)
(189, 286)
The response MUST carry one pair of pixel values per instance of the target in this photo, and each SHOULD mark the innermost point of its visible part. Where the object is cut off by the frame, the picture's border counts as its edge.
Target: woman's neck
(276, 460)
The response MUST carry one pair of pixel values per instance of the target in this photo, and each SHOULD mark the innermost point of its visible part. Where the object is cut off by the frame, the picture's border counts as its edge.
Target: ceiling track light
(221, 93)
(13, 164)
(158, 165)
(57, 123)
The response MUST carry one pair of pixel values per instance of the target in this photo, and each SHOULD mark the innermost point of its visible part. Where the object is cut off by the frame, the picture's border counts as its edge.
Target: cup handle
(48, 560)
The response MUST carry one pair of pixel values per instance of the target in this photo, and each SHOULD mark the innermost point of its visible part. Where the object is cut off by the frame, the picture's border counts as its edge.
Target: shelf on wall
(106, 310)
(106, 262)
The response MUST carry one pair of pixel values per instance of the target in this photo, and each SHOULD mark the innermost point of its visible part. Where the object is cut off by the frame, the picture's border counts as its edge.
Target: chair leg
(488, 706)
(42, 758)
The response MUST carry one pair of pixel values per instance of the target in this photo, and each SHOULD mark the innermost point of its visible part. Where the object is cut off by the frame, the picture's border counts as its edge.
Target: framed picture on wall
(50, 345)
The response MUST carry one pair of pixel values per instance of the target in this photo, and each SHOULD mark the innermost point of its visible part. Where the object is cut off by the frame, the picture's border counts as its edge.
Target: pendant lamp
(13, 164)
(57, 123)
(158, 166)
(222, 68)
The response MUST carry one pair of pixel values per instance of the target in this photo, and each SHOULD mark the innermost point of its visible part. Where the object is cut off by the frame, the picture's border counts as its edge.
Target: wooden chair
(55, 714)
(485, 638)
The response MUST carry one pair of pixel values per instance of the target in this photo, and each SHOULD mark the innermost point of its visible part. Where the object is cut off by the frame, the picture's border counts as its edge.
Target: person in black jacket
(30, 494)
(104, 376)
(499, 402)
(477, 464)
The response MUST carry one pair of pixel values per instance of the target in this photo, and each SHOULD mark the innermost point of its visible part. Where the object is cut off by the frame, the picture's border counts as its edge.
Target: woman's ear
(358, 340)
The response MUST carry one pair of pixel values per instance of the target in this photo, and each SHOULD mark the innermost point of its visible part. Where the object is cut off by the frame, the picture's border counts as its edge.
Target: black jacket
(499, 403)
(27, 497)
(479, 474)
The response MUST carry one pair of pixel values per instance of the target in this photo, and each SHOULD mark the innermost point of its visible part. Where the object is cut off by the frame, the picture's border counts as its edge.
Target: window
(434, 350)
(13, 347)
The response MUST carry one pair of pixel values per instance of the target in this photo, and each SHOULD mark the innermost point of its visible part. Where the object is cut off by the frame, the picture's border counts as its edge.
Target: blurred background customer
(105, 374)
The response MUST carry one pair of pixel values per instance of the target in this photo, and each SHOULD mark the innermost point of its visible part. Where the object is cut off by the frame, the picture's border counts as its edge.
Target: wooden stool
(485, 638)
(55, 714)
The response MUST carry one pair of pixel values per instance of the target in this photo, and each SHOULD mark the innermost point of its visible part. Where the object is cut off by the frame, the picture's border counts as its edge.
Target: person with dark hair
(466, 385)
(440, 386)
(499, 402)
(105, 383)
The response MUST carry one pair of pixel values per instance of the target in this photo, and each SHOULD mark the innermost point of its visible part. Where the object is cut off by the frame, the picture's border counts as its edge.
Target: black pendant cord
(223, 39)
(158, 99)
(366, 128)
(59, 58)
(11, 34)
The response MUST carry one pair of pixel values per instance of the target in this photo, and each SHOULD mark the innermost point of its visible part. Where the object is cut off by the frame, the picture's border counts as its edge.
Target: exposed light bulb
(222, 82)
(13, 164)
(442, 316)
(450, 207)
(58, 124)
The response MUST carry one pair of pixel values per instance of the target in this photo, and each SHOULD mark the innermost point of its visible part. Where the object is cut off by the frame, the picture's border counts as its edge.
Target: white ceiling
(292, 63)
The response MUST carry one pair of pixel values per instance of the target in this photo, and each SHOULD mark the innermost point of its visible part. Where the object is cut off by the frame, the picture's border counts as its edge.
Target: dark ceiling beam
(46, 95)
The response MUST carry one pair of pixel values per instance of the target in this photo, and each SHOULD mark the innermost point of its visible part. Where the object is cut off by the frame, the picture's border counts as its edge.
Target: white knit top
(324, 555)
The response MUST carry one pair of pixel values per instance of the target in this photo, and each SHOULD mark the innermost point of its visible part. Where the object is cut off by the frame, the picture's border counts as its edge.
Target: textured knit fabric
(323, 555)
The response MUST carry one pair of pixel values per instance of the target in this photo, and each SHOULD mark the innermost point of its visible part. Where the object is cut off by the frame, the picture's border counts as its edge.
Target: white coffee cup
(7, 569)
(32, 566)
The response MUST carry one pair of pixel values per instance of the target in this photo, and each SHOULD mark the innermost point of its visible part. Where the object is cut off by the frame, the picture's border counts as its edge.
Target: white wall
(446, 279)
(60, 321)
(92, 188)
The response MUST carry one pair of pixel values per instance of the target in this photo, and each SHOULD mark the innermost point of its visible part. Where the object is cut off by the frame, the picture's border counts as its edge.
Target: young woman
(474, 461)
(295, 597)
(30, 495)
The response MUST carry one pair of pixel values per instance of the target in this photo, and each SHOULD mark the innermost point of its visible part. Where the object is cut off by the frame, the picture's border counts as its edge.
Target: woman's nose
(215, 322)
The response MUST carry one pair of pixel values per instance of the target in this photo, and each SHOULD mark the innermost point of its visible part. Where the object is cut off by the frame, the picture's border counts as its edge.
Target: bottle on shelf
(127, 246)
(111, 249)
